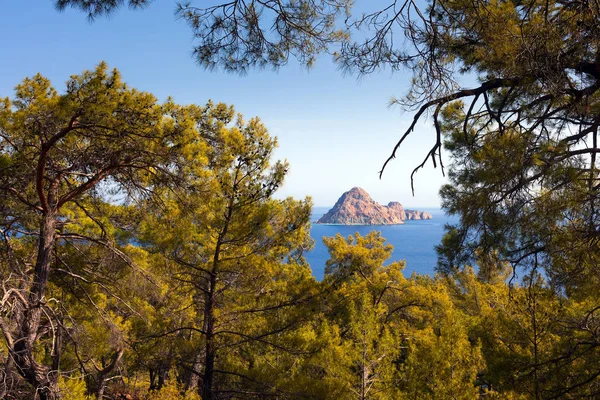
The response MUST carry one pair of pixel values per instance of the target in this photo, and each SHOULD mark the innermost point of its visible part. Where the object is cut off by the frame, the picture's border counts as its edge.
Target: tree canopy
(239, 35)
(533, 109)
(536, 61)
(147, 234)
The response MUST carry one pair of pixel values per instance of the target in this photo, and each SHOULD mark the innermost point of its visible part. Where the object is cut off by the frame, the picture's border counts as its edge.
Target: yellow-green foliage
(73, 388)
(172, 392)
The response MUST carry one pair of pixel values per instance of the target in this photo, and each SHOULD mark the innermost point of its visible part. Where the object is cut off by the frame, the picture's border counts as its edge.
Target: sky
(335, 130)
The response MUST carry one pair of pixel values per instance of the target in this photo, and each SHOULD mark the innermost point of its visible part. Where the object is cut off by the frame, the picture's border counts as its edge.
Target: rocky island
(356, 207)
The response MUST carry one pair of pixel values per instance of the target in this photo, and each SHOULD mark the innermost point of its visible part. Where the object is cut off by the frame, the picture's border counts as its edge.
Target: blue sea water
(413, 241)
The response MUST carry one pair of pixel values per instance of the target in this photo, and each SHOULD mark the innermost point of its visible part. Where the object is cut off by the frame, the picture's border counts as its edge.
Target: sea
(414, 241)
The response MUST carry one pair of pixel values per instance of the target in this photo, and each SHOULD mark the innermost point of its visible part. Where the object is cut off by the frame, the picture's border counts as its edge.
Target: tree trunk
(209, 331)
(107, 370)
(163, 374)
(5, 376)
(211, 301)
(209, 315)
(192, 381)
(152, 375)
(159, 375)
(42, 378)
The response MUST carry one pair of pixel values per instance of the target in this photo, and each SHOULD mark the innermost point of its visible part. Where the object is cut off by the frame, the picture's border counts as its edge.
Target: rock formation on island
(356, 207)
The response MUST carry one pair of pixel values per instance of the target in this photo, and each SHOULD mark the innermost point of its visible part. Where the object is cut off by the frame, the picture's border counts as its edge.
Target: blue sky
(335, 130)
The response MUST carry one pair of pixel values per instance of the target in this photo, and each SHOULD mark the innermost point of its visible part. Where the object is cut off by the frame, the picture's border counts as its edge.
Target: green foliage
(172, 392)
(144, 255)
(73, 388)
(398, 338)
(239, 35)
(115, 168)
(238, 255)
